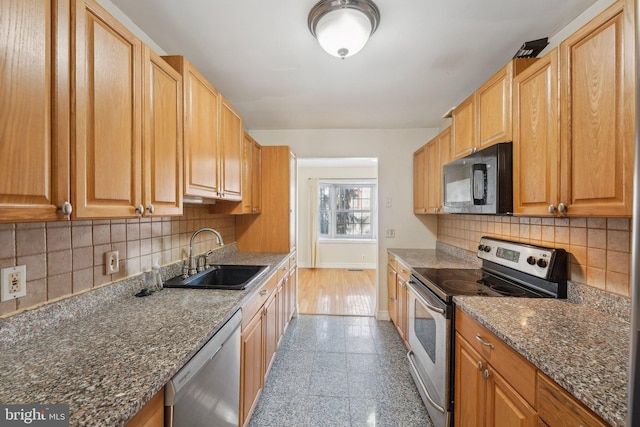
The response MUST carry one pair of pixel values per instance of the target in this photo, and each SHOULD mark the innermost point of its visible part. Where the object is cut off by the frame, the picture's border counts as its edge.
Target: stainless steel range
(509, 269)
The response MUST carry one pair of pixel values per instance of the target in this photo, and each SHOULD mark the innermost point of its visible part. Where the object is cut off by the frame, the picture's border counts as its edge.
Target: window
(347, 210)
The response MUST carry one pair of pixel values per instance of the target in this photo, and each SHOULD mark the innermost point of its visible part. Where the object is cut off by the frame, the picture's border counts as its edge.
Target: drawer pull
(480, 365)
(263, 292)
(486, 374)
(483, 342)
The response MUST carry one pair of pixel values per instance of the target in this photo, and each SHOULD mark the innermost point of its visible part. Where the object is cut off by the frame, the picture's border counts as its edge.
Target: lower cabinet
(392, 290)
(496, 386)
(402, 301)
(483, 396)
(151, 414)
(265, 317)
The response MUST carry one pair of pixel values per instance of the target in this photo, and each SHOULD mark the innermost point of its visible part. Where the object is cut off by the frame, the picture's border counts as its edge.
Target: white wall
(394, 150)
(331, 254)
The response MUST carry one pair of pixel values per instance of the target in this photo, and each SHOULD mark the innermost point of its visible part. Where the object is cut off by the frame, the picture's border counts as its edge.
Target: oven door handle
(410, 356)
(424, 302)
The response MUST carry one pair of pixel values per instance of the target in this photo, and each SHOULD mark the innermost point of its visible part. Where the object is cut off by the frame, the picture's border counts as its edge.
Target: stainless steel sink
(221, 276)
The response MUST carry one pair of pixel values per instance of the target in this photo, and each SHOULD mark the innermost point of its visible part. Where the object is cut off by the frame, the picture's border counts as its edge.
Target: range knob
(480, 247)
(542, 263)
(487, 248)
(531, 260)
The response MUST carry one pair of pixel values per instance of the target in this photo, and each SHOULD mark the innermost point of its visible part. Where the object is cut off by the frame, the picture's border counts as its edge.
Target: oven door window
(426, 331)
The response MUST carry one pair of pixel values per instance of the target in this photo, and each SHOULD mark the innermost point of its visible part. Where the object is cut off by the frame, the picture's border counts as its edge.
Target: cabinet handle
(562, 208)
(551, 209)
(486, 374)
(474, 149)
(480, 365)
(150, 208)
(140, 210)
(253, 210)
(263, 292)
(66, 208)
(391, 299)
(483, 342)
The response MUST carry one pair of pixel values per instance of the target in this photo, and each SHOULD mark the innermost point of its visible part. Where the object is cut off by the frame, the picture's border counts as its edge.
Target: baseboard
(354, 266)
(382, 315)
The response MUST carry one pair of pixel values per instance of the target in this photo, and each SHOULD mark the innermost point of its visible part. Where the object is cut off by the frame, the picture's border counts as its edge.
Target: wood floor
(336, 291)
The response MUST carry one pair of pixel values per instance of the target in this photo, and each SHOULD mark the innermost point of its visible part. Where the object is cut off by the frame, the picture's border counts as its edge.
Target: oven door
(429, 357)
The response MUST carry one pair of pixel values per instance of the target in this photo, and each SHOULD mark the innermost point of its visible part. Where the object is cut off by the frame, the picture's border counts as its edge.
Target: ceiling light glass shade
(343, 27)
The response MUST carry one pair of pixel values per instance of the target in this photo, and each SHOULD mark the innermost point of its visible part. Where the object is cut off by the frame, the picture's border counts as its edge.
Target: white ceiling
(425, 57)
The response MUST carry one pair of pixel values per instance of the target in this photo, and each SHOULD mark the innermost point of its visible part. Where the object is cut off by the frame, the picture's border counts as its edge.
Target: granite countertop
(583, 349)
(432, 258)
(580, 348)
(109, 364)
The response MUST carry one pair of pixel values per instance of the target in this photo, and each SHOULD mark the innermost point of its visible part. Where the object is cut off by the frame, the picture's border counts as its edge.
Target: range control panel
(534, 260)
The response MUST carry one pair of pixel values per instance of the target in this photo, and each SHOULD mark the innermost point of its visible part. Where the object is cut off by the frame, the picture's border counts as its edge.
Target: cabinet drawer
(253, 304)
(283, 270)
(518, 372)
(558, 408)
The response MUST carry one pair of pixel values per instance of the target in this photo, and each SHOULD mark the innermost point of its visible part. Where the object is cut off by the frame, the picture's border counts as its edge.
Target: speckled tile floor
(340, 371)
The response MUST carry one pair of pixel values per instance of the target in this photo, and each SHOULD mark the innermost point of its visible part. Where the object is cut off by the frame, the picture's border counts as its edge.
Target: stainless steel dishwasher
(206, 391)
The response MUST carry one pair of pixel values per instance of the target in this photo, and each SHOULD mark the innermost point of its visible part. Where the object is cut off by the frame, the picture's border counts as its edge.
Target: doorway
(337, 236)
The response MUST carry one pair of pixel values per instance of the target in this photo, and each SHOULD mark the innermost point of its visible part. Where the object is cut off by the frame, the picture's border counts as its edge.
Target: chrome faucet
(192, 260)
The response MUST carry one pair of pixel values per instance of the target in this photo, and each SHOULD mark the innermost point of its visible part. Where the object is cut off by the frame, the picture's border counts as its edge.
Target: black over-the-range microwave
(480, 183)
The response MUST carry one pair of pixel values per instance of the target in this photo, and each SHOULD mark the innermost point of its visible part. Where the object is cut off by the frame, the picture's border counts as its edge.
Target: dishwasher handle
(206, 353)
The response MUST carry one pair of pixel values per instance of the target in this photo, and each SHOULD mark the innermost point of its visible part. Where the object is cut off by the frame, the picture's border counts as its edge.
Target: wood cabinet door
(433, 176)
(420, 181)
(292, 294)
(536, 138)
(392, 295)
(231, 137)
(493, 101)
(463, 128)
(505, 407)
(162, 137)
(34, 109)
(256, 178)
(252, 372)
(271, 335)
(597, 75)
(444, 149)
(200, 122)
(151, 414)
(106, 152)
(469, 394)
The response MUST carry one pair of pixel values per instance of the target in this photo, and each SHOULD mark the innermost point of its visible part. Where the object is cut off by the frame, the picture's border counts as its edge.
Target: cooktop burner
(450, 282)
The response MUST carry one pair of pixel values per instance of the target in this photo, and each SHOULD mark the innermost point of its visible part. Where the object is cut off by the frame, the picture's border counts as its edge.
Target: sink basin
(221, 277)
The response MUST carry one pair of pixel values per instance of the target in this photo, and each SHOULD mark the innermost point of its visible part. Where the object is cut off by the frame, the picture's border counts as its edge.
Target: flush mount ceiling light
(343, 27)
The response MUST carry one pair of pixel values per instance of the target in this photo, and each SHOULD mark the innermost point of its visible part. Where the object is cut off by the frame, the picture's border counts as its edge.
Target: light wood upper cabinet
(536, 138)
(251, 182)
(438, 154)
(106, 151)
(162, 137)
(274, 229)
(427, 173)
(230, 139)
(34, 109)
(200, 119)
(463, 128)
(420, 180)
(484, 118)
(597, 118)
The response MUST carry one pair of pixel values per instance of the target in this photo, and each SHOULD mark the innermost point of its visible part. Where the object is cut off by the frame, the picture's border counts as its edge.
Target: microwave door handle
(479, 183)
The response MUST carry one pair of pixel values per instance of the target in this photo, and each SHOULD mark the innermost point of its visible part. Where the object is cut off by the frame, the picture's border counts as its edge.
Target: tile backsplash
(67, 257)
(599, 248)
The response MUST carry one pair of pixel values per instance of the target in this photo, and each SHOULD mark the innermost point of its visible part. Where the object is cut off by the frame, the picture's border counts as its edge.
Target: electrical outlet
(111, 262)
(391, 233)
(14, 282)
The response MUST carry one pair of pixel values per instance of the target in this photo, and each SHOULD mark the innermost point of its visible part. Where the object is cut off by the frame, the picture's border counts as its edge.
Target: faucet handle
(192, 266)
(206, 259)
